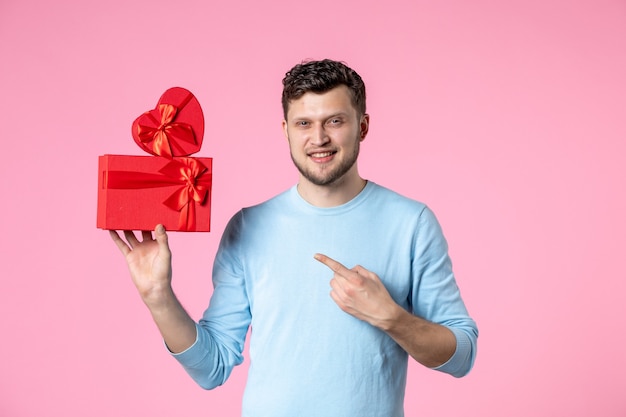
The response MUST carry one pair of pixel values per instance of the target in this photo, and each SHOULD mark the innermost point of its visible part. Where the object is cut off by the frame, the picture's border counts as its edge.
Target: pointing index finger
(331, 263)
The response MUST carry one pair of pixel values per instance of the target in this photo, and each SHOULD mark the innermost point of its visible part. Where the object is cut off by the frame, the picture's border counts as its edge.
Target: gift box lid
(175, 127)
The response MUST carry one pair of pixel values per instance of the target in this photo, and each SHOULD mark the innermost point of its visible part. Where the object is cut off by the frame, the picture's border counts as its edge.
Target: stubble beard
(333, 176)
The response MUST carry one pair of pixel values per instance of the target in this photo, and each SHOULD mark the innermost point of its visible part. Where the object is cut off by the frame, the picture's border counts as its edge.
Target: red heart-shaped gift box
(175, 127)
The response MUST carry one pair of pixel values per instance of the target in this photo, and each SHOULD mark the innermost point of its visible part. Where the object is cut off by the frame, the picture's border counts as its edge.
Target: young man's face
(324, 133)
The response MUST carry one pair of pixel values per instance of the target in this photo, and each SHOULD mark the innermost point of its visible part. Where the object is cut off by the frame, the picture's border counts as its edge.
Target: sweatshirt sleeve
(436, 296)
(222, 330)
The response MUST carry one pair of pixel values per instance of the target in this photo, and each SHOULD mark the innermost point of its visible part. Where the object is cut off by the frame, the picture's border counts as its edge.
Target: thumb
(161, 237)
(366, 273)
(359, 269)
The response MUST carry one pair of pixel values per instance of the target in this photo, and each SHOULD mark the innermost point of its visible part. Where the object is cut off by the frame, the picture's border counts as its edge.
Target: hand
(150, 265)
(149, 261)
(360, 293)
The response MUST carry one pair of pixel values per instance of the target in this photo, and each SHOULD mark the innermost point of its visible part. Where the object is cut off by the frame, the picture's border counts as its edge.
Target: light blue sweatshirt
(307, 357)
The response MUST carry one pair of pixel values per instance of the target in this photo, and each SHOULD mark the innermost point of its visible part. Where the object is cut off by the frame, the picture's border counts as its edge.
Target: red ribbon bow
(188, 171)
(163, 133)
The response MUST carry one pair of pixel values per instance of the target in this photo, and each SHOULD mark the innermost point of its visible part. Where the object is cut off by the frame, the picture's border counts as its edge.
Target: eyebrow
(338, 114)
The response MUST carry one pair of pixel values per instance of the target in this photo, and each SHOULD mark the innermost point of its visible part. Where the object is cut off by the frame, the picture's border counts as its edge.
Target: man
(313, 354)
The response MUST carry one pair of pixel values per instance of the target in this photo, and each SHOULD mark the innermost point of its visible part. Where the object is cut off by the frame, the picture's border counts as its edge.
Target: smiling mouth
(322, 154)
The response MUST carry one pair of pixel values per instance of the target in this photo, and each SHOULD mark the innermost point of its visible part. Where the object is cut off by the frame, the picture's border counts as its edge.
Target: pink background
(507, 118)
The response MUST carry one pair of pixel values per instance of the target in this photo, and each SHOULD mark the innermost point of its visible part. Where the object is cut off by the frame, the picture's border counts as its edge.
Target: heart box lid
(175, 127)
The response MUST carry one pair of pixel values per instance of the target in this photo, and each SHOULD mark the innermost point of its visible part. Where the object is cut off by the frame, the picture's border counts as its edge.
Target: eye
(335, 121)
(302, 123)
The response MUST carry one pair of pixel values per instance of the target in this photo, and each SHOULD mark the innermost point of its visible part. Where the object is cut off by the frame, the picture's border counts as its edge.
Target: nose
(319, 136)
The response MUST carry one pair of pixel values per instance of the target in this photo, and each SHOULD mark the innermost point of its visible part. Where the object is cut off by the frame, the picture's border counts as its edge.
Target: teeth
(321, 154)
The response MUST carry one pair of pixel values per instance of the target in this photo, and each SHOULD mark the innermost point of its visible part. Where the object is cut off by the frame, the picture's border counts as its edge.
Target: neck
(331, 195)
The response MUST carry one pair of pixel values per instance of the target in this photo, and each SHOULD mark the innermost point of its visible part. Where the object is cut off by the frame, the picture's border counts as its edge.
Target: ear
(285, 130)
(364, 126)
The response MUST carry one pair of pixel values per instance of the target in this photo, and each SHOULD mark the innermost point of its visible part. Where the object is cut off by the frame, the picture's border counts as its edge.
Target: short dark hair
(319, 77)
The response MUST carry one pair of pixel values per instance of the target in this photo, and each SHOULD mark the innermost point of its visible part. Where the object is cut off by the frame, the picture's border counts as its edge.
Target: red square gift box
(171, 188)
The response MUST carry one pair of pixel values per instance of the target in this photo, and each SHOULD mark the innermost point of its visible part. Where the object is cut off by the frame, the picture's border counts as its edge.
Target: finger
(146, 235)
(332, 264)
(161, 237)
(338, 300)
(337, 285)
(130, 238)
(360, 270)
(122, 246)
